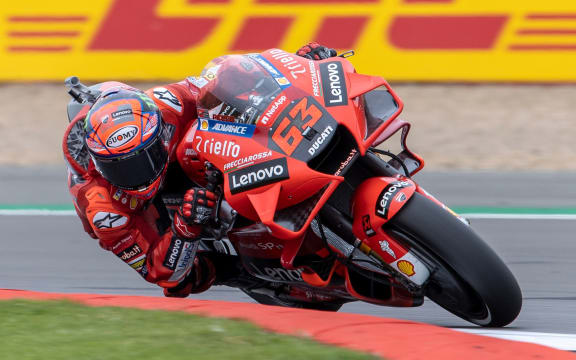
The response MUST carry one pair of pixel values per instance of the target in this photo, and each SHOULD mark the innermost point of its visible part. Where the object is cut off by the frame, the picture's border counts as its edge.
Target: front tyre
(468, 279)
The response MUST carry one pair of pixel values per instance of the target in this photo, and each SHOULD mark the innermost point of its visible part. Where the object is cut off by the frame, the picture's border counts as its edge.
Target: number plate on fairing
(303, 129)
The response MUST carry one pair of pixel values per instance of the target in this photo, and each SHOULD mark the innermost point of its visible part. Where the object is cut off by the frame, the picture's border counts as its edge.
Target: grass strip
(66, 330)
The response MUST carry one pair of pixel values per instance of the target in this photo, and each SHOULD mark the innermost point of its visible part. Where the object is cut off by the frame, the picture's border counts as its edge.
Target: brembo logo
(333, 84)
(258, 175)
(122, 136)
(386, 196)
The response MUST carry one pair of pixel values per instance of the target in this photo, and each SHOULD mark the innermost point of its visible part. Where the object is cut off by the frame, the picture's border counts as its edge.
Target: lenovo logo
(333, 84)
(258, 175)
(386, 196)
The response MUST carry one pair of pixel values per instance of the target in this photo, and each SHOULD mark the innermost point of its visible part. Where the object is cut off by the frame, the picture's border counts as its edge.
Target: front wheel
(468, 278)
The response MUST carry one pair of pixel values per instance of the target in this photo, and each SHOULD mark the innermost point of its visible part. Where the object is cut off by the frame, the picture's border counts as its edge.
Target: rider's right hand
(315, 51)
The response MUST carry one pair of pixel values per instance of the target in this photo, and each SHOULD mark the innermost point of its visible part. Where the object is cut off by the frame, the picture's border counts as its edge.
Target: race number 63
(288, 132)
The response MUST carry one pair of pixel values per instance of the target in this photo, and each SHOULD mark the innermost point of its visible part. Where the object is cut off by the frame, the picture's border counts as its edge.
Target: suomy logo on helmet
(122, 136)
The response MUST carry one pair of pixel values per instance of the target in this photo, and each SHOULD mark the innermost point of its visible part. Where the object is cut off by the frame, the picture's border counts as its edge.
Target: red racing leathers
(129, 226)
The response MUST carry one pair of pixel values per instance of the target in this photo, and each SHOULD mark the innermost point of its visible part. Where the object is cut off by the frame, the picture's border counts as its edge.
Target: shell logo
(406, 267)
(203, 125)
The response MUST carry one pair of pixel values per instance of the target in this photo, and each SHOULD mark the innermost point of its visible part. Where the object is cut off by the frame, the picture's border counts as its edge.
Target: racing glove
(200, 279)
(195, 211)
(315, 51)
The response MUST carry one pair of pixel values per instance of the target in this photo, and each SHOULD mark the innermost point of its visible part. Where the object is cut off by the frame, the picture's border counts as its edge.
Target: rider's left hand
(315, 51)
(196, 210)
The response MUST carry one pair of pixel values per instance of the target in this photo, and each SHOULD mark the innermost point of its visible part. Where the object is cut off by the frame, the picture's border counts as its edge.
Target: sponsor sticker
(151, 124)
(272, 70)
(333, 84)
(226, 148)
(273, 108)
(386, 196)
(247, 160)
(344, 164)
(314, 78)
(385, 246)
(222, 117)
(95, 145)
(228, 128)
(367, 226)
(320, 139)
(121, 113)
(173, 253)
(122, 136)
(406, 267)
(168, 98)
(199, 82)
(185, 260)
(138, 263)
(130, 252)
(258, 175)
(133, 202)
(117, 195)
(121, 242)
(276, 273)
(289, 61)
(107, 220)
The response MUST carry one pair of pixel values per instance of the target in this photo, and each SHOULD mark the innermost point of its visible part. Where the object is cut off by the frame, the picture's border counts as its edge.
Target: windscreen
(238, 88)
(379, 106)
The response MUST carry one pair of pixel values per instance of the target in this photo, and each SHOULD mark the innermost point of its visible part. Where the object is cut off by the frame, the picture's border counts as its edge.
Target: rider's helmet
(126, 141)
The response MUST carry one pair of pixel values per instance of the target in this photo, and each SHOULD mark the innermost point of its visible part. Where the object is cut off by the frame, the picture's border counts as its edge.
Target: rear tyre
(470, 280)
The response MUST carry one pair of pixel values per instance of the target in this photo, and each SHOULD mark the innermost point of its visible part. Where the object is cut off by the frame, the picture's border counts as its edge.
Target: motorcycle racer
(124, 184)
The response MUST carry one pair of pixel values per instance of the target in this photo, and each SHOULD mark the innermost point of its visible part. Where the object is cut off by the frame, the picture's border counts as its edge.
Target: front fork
(376, 201)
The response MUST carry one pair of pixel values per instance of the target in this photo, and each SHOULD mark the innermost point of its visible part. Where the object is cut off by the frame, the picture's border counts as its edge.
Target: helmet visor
(137, 170)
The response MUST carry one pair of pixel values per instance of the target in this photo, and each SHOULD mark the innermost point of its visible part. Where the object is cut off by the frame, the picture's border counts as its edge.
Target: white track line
(36, 212)
(520, 216)
(557, 341)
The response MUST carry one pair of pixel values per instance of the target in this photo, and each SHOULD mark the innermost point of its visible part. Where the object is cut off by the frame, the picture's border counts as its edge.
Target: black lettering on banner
(173, 253)
(333, 84)
(258, 175)
(386, 196)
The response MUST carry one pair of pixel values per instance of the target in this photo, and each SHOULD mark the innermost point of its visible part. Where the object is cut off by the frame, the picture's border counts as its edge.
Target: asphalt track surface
(51, 253)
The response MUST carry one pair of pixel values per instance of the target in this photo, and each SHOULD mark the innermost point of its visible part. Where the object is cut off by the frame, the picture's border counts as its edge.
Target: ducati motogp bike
(312, 214)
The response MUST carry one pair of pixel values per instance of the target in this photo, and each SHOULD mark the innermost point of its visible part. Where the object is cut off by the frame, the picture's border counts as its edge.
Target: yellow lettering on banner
(410, 40)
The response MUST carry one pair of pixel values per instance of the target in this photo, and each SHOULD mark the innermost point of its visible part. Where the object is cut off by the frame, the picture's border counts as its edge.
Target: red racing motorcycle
(312, 214)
